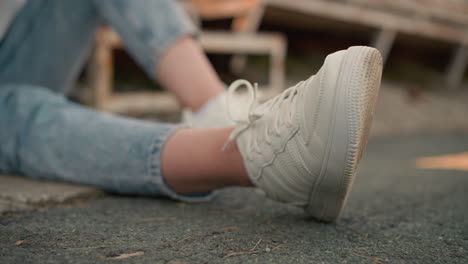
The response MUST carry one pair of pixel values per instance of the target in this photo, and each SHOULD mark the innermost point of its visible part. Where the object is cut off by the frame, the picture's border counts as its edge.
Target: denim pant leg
(147, 27)
(45, 136)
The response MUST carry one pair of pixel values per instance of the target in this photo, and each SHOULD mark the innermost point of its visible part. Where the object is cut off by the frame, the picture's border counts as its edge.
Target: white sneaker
(303, 146)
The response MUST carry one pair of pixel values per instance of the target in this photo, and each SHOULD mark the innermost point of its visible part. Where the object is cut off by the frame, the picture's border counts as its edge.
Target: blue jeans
(45, 136)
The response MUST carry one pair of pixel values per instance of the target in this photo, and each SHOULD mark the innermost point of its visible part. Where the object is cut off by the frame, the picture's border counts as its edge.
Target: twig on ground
(20, 242)
(182, 240)
(260, 240)
(278, 246)
(124, 256)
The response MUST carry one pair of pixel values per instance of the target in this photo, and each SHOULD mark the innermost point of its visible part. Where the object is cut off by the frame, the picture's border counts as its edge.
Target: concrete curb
(20, 193)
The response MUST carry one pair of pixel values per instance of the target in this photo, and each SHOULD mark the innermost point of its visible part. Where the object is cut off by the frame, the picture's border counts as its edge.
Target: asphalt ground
(395, 214)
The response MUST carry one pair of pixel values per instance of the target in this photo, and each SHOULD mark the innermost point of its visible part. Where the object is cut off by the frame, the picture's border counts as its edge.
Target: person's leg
(40, 51)
(302, 147)
(193, 161)
(159, 35)
(48, 43)
(194, 83)
(47, 137)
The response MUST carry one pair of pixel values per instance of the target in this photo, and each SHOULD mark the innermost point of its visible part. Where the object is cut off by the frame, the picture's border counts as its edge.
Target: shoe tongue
(214, 104)
(239, 106)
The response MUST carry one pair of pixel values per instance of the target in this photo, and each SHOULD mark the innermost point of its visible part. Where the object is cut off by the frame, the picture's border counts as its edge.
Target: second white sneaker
(303, 147)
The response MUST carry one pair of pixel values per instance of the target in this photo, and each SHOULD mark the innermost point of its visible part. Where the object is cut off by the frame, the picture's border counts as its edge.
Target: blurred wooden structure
(445, 20)
(243, 39)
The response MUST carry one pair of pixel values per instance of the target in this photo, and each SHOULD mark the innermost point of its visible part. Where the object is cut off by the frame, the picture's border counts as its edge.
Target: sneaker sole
(355, 99)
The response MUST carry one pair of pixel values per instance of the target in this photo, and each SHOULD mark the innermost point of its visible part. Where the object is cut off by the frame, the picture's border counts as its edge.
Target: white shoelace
(256, 111)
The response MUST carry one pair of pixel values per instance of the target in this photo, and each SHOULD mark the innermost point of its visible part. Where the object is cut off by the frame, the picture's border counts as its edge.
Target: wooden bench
(242, 40)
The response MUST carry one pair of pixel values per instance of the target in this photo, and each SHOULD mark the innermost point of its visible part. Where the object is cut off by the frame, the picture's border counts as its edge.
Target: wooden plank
(270, 44)
(246, 24)
(379, 19)
(216, 9)
(216, 42)
(250, 21)
(448, 10)
(384, 41)
(142, 102)
(458, 67)
(222, 42)
(100, 71)
(277, 68)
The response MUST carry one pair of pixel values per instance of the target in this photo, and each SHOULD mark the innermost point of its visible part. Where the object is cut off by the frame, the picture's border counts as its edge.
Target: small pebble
(267, 249)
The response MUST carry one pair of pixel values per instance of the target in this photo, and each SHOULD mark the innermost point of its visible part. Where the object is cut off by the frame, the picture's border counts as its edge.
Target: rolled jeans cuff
(156, 177)
(148, 28)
